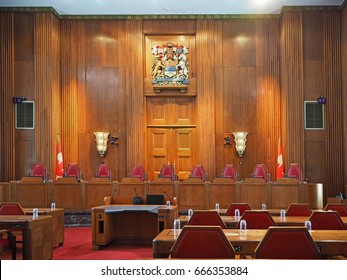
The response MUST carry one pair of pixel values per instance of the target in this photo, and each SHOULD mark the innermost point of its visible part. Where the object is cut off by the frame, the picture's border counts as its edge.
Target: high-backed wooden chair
(237, 205)
(139, 172)
(167, 171)
(294, 171)
(103, 170)
(207, 218)
(202, 242)
(72, 170)
(339, 208)
(39, 170)
(298, 209)
(260, 171)
(326, 220)
(8, 242)
(229, 171)
(287, 243)
(199, 172)
(257, 219)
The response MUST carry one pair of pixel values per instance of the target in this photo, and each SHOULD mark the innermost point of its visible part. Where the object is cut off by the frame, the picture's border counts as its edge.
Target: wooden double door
(171, 137)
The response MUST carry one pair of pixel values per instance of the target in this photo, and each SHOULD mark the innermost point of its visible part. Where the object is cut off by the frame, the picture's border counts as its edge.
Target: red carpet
(78, 246)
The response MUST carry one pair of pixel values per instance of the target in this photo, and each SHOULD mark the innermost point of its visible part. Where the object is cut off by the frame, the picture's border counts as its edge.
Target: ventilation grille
(314, 115)
(25, 115)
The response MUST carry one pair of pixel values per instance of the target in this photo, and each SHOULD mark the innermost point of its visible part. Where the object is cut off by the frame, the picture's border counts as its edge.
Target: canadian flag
(279, 168)
(59, 168)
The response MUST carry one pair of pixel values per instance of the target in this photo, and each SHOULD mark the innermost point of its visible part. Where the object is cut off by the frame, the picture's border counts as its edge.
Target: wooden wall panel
(269, 99)
(7, 140)
(135, 106)
(344, 88)
(333, 113)
(292, 88)
(207, 33)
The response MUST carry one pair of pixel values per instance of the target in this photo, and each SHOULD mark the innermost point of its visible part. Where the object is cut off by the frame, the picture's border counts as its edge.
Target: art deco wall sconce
(240, 142)
(101, 139)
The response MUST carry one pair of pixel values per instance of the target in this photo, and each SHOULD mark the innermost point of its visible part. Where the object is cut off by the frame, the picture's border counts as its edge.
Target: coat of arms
(170, 65)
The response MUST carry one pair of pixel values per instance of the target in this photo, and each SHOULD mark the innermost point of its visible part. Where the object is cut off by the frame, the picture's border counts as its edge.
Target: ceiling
(166, 7)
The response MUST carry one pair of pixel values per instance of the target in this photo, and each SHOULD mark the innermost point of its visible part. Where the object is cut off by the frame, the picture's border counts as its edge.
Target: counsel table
(37, 234)
(331, 242)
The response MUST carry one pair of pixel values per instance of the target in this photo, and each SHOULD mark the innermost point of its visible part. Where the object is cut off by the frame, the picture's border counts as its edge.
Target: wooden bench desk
(330, 242)
(37, 234)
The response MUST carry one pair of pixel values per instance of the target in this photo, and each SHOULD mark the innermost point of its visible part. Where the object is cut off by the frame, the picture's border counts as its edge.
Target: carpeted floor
(78, 246)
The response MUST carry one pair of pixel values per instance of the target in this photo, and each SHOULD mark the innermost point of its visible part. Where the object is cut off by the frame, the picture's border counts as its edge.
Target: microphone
(137, 199)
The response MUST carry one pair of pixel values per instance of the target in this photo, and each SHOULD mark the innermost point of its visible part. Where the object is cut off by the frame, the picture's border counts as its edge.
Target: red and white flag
(59, 167)
(280, 167)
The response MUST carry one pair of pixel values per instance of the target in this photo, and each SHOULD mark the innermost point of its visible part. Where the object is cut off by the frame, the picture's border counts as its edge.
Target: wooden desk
(330, 242)
(231, 222)
(57, 222)
(129, 224)
(37, 235)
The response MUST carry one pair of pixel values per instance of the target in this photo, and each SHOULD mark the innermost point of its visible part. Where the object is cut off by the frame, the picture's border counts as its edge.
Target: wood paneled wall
(7, 165)
(344, 87)
(250, 74)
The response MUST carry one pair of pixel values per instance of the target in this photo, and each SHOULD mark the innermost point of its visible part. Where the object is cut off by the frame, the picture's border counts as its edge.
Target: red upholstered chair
(287, 243)
(199, 172)
(167, 171)
(206, 218)
(294, 171)
(257, 219)
(103, 171)
(241, 206)
(229, 171)
(202, 242)
(11, 208)
(260, 171)
(39, 170)
(298, 209)
(339, 208)
(8, 242)
(72, 170)
(139, 172)
(326, 220)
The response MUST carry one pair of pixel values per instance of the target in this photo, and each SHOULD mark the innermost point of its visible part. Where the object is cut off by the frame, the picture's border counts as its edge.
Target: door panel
(170, 135)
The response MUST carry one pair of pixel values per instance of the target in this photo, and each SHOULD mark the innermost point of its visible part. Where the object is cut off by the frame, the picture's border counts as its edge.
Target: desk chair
(202, 242)
(206, 218)
(167, 171)
(287, 243)
(241, 206)
(229, 171)
(199, 172)
(339, 208)
(72, 170)
(103, 171)
(294, 171)
(257, 219)
(326, 220)
(8, 243)
(298, 209)
(139, 172)
(260, 171)
(39, 170)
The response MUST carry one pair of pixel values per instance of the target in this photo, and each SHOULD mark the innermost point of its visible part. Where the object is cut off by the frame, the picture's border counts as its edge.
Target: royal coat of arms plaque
(170, 68)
